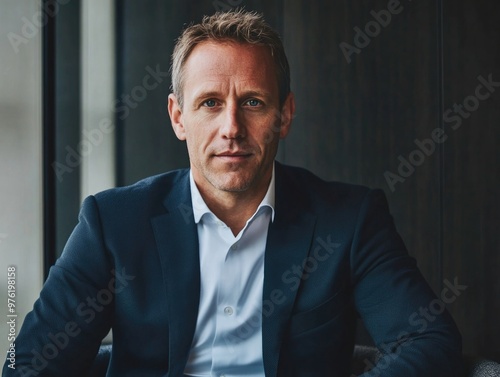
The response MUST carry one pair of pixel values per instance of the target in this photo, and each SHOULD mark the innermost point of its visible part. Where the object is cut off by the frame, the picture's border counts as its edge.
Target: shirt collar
(200, 207)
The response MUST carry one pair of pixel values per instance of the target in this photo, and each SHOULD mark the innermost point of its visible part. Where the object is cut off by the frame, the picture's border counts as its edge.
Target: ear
(287, 112)
(175, 112)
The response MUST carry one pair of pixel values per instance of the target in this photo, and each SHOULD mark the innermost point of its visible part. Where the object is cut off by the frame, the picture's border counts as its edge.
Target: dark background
(354, 120)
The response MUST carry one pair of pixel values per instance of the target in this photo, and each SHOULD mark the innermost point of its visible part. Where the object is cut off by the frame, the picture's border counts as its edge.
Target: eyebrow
(208, 94)
(214, 93)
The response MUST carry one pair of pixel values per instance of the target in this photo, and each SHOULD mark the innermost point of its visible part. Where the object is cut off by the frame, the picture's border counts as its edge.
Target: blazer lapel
(288, 244)
(177, 240)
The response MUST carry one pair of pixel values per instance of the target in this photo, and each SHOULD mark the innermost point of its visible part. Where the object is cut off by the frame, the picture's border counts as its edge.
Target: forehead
(220, 63)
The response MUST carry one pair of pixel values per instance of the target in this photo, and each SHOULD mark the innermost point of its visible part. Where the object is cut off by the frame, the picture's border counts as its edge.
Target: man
(239, 266)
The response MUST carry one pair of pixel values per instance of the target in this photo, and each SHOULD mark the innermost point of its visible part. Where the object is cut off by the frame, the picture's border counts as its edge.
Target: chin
(232, 185)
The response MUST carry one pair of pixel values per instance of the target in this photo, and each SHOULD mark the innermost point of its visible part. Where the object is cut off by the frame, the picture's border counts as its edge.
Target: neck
(234, 208)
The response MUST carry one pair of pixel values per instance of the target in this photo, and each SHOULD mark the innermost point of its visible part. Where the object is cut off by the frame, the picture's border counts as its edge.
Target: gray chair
(478, 367)
(363, 358)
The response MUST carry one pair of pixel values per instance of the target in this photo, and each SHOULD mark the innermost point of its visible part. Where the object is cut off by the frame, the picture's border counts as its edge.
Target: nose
(232, 126)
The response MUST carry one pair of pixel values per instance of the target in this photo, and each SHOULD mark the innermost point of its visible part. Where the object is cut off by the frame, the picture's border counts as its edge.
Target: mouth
(233, 156)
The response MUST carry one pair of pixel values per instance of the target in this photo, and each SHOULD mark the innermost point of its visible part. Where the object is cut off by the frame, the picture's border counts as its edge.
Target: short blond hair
(237, 25)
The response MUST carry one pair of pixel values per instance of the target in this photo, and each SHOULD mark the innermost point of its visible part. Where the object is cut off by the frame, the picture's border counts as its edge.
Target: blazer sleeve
(408, 323)
(63, 332)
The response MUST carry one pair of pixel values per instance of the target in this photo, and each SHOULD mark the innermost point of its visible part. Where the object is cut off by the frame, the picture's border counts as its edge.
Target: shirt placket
(228, 292)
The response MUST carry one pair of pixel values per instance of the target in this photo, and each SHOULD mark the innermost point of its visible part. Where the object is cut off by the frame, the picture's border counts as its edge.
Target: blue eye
(253, 102)
(209, 103)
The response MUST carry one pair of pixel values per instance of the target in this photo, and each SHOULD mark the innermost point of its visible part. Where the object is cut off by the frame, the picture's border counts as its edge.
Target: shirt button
(228, 310)
(234, 247)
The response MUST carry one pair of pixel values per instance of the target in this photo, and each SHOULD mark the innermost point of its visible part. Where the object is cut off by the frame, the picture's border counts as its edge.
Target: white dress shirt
(228, 336)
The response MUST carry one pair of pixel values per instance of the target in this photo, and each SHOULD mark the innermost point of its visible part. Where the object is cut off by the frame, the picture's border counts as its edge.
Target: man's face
(231, 117)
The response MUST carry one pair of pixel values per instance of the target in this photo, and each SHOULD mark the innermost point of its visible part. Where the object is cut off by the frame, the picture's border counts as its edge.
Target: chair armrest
(101, 361)
(480, 367)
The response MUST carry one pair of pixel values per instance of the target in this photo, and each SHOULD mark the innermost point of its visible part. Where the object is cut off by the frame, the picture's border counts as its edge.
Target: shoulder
(146, 195)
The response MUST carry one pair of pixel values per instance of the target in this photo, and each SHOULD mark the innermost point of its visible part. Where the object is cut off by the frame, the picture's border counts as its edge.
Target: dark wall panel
(472, 168)
(67, 121)
(146, 144)
(357, 113)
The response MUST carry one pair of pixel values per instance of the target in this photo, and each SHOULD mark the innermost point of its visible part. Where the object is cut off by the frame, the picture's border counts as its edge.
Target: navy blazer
(332, 254)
